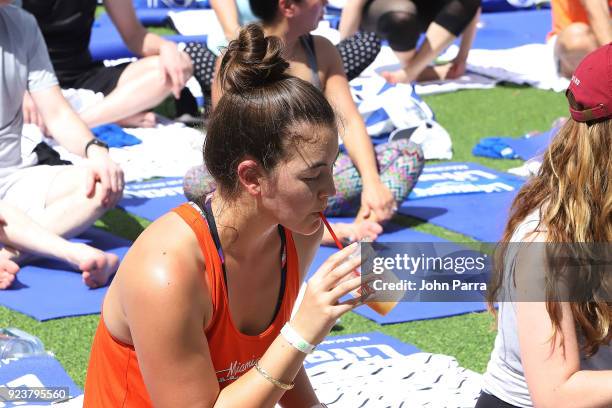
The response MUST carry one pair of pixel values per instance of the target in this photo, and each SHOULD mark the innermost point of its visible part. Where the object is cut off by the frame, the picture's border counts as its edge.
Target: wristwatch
(97, 142)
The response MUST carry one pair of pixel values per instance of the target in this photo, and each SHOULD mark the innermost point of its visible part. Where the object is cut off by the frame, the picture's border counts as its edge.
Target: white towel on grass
(200, 22)
(167, 150)
(531, 64)
(387, 61)
(416, 380)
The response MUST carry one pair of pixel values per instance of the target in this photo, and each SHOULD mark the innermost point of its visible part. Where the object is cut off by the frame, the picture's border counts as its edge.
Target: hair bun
(252, 60)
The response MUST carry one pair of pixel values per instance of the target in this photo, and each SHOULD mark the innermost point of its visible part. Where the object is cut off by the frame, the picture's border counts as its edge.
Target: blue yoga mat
(153, 17)
(36, 371)
(404, 311)
(106, 42)
(459, 205)
(532, 146)
(147, 16)
(451, 179)
(479, 216)
(358, 347)
(152, 199)
(48, 289)
(512, 29)
(166, 4)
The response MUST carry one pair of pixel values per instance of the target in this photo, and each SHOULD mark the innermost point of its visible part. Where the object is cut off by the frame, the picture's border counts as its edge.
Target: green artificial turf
(509, 110)
(468, 116)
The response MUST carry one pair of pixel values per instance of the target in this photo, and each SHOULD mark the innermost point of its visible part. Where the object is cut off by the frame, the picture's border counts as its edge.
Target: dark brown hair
(265, 10)
(262, 109)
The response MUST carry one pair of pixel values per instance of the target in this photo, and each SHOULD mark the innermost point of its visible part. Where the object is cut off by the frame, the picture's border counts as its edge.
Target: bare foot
(8, 270)
(434, 73)
(142, 119)
(395, 77)
(352, 232)
(445, 71)
(97, 266)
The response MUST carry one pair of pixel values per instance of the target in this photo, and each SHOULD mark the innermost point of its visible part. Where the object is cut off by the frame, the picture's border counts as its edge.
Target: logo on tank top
(235, 370)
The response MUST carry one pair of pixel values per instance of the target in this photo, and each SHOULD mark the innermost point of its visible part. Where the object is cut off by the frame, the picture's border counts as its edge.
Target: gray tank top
(307, 42)
(505, 377)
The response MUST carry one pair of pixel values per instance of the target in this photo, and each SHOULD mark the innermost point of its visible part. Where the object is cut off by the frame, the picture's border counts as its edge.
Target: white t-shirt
(24, 65)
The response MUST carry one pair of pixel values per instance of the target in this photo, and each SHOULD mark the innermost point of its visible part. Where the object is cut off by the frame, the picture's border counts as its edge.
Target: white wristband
(296, 340)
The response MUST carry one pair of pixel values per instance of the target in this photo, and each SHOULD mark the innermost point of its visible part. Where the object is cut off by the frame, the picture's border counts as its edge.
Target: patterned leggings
(357, 52)
(400, 163)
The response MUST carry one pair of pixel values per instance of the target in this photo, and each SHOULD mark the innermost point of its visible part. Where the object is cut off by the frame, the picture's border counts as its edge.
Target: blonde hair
(573, 192)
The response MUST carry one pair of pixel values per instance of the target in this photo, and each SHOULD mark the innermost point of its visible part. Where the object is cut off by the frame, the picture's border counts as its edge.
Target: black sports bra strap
(206, 210)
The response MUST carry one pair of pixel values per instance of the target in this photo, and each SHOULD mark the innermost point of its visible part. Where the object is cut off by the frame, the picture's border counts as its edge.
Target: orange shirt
(565, 12)
(114, 378)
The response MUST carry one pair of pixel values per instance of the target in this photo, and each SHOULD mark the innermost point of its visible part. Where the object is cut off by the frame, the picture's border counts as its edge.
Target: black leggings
(357, 52)
(402, 21)
(491, 401)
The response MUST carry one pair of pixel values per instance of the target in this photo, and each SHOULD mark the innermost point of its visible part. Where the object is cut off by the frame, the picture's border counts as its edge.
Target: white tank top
(505, 377)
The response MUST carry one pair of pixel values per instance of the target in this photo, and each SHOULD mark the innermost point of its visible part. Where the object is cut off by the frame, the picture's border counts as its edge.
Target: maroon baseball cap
(590, 89)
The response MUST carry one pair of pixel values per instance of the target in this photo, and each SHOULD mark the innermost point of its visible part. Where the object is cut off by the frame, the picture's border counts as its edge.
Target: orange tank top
(566, 12)
(113, 376)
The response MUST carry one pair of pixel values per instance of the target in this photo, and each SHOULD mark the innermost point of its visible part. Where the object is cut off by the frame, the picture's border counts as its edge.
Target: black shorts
(401, 22)
(491, 401)
(97, 78)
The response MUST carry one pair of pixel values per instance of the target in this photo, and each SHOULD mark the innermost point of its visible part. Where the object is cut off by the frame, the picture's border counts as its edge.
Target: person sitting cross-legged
(61, 200)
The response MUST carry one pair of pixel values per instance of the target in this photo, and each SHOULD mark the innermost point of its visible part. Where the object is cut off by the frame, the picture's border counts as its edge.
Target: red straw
(331, 231)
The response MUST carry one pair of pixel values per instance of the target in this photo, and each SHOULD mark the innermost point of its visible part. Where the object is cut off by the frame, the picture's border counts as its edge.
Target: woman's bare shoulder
(166, 258)
(325, 50)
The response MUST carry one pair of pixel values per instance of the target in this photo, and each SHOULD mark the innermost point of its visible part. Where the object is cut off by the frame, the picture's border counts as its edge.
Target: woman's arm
(350, 19)
(134, 34)
(70, 132)
(598, 13)
(302, 396)
(467, 39)
(227, 14)
(468, 35)
(165, 301)
(552, 369)
(216, 91)
(376, 196)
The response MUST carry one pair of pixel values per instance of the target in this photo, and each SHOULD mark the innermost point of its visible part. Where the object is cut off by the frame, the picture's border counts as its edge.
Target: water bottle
(15, 343)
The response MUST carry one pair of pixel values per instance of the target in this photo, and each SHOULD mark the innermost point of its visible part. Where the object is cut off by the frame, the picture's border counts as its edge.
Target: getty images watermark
(451, 272)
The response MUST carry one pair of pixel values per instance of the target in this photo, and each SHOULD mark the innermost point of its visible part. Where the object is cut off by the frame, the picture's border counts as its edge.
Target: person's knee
(400, 28)
(577, 37)
(96, 200)
(186, 66)
(408, 149)
(573, 44)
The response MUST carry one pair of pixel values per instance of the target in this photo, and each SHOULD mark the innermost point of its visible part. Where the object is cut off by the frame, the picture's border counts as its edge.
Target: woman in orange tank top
(199, 313)
(580, 26)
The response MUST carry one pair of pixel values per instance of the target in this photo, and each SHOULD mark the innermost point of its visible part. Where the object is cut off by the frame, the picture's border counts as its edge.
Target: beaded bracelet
(279, 384)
